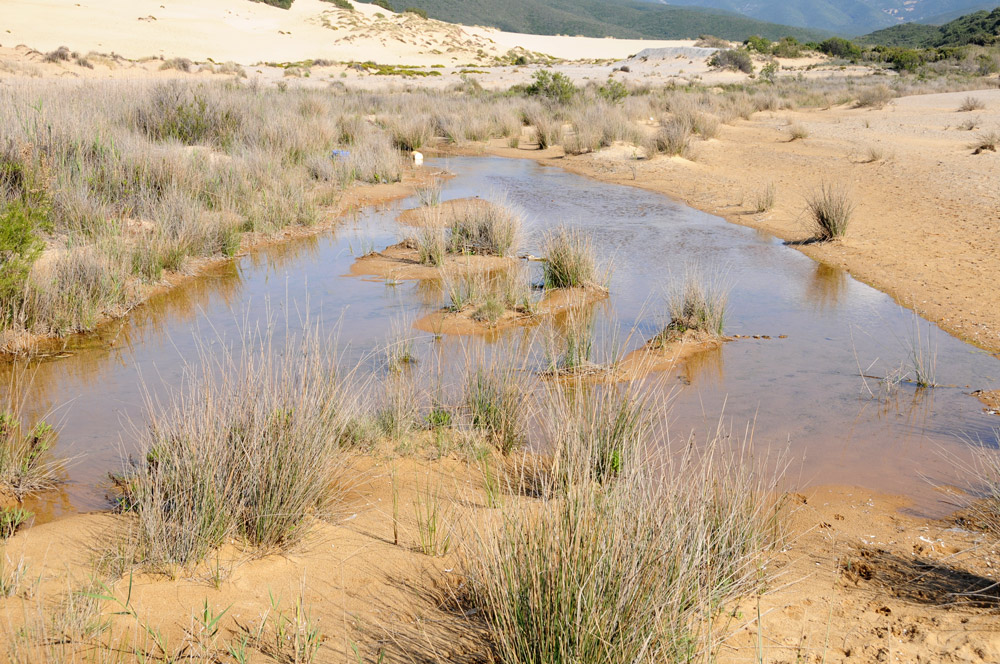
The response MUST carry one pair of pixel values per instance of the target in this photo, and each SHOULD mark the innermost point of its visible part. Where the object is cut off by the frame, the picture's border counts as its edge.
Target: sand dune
(248, 33)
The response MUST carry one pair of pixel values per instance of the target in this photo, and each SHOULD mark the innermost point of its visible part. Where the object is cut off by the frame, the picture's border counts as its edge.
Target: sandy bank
(856, 580)
(249, 32)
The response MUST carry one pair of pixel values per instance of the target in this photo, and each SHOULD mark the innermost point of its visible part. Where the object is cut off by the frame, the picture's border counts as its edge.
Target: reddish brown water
(802, 393)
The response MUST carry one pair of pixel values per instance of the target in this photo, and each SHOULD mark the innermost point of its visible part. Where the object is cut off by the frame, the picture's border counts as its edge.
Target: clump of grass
(410, 132)
(875, 97)
(24, 464)
(12, 518)
(487, 230)
(180, 64)
(923, 358)
(548, 131)
(971, 104)
(987, 141)
(249, 450)
(372, 159)
(569, 260)
(432, 245)
(430, 195)
(599, 432)
(798, 132)
(985, 512)
(61, 54)
(398, 413)
(697, 305)
(433, 531)
(970, 124)
(764, 199)
(673, 138)
(577, 347)
(491, 294)
(623, 571)
(830, 210)
(497, 408)
(399, 353)
(874, 154)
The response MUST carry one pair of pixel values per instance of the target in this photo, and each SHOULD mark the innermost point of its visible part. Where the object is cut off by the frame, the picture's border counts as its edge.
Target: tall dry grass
(625, 566)
(696, 303)
(248, 449)
(570, 260)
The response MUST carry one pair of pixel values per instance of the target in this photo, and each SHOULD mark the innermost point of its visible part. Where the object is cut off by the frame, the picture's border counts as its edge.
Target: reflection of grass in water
(571, 348)
(827, 286)
(706, 365)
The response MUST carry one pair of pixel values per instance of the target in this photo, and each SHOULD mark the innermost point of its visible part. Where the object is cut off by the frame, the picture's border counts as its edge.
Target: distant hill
(981, 27)
(948, 17)
(624, 19)
(847, 17)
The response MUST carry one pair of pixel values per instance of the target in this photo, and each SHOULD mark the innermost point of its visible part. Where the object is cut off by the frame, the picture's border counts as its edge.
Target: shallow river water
(803, 392)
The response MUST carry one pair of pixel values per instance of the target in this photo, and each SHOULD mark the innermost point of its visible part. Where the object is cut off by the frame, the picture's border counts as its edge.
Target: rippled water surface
(802, 392)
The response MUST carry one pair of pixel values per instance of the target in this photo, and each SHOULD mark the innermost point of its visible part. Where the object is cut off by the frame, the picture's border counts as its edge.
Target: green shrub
(613, 91)
(415, 10)
(838, 47)
(732, 59)
(20, 246)
(769, 72)
(787, 47)
(759, 44)
(554, 86)
(383, 4)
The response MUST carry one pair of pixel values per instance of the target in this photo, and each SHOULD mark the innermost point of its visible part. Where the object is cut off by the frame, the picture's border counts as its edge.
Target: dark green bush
(759, 44)
(555, 86)
(383, 4)
(613, 91)
(415, 10)
(788, 47)
(20, 245)
(836, 47)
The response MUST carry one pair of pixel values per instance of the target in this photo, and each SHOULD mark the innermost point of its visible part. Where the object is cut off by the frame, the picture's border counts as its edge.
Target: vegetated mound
(979, 28)
(485, 317)
(606, 18)
(402, 261)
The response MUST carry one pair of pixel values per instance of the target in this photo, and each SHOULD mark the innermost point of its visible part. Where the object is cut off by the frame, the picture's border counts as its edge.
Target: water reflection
(827, 286)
